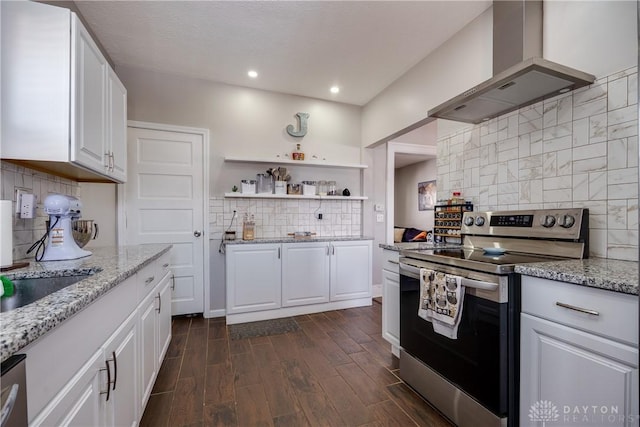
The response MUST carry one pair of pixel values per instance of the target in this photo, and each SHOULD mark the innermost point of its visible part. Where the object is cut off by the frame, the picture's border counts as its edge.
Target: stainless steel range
(473, 378)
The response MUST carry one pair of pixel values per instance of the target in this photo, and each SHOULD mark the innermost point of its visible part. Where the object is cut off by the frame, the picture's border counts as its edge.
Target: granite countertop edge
(298, 240)
(109, 267)
(609, 274)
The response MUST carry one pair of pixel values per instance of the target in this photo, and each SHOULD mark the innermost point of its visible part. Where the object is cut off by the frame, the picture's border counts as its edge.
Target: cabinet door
(164, 317)
(350, 270)
(574, 370)
(117, 127)
(305, 273)
(253, 277)
(88, 101)
(36, 53)
(391, 307)
(121, 352)
(80, 402)
(148, 345)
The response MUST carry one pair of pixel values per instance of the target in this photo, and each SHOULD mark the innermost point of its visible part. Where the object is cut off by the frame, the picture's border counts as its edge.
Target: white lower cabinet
(574, 362)
(305, 273)
(109, 386)
(279, 280)
(155, 334)
(391, 299)
(103, 392)
(253, 277)
(348, 279)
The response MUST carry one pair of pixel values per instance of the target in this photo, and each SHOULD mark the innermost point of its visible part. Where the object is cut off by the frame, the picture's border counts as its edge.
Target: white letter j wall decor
(302, 119)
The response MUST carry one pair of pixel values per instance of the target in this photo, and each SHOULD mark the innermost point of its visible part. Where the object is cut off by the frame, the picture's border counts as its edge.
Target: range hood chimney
(520, 75)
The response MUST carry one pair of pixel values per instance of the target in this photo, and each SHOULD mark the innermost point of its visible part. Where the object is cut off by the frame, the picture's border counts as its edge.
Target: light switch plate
(378, 207)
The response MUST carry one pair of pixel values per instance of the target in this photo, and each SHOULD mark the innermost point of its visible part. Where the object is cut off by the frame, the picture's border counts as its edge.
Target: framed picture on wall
(426, 195)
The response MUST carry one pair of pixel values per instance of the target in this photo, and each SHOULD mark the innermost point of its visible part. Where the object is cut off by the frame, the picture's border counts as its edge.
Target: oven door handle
(408, 269)
(470, 283)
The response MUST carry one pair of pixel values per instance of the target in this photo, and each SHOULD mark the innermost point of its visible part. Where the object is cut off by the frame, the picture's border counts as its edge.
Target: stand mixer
(62, 210)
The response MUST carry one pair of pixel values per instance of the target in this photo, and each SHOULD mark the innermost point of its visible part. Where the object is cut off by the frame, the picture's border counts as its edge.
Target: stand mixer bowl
(84, 230)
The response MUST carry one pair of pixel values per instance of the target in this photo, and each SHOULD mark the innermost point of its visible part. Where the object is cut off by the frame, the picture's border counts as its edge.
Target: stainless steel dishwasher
(13, 396)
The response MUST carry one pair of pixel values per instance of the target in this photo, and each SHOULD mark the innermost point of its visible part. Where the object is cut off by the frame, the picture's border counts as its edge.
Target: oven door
(477, 361)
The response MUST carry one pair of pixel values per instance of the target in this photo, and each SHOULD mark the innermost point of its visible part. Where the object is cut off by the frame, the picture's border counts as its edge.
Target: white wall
(375, 187)
(459, 64)
(406, 213)
(98, 204)
(599, 37)
(248, 122)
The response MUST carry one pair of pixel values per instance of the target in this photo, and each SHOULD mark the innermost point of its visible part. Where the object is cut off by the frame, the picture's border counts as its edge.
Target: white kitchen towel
(424, 310)
(448, 296)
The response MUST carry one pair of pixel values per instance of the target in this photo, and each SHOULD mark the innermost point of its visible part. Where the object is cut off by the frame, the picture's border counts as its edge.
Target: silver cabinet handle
(108, 161)
(393, 262)
(165, 265)
(7, 408)
(197, 233)
(173, 282)
(149, 280)
(333, 250)
(278, 253)
(327, 250)
(579, 309)
(159, 309)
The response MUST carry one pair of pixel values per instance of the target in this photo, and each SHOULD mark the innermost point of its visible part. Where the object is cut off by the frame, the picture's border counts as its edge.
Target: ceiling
(297, 47)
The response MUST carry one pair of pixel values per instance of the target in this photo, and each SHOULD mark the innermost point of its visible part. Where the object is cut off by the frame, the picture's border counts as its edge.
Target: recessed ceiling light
(253, 74)
(334, 89)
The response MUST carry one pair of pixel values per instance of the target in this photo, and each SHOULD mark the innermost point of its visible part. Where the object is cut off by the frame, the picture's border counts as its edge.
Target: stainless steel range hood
(521, 76)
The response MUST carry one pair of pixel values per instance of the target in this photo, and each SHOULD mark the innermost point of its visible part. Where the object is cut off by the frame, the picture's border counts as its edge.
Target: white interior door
(165, 193)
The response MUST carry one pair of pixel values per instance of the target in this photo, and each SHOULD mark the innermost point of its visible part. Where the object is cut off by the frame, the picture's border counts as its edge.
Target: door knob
(197, 233)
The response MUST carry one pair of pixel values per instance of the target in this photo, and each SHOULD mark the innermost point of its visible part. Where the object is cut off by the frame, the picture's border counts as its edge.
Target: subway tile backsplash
(575, 150)
(27, 231)
(276, 218)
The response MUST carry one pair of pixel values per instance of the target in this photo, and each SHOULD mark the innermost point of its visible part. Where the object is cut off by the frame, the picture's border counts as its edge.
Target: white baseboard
(296, 311)
(215, 313)
(377, 291)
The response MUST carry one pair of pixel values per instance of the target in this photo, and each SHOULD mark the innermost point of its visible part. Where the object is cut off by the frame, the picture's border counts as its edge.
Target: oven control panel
(542, 223)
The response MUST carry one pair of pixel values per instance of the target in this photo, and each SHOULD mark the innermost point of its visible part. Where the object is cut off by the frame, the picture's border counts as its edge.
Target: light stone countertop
(298, 240)
(609, 274)
(110, 265)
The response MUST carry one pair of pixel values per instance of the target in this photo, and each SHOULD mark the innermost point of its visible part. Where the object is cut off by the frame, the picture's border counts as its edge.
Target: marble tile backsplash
(579, 149)
(275, 218)
(27, 231)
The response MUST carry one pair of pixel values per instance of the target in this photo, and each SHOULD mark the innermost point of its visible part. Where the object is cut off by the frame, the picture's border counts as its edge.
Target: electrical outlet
(379, 217)
(27, 206)
(319, 216)
(19, 193)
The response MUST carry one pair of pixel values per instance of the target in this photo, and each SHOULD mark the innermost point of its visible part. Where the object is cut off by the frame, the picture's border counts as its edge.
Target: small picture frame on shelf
(426, 195)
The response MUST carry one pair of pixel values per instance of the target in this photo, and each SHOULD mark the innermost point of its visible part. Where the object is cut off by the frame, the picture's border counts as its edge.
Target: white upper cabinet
(116, 148)
(88, 100)
(63, 107)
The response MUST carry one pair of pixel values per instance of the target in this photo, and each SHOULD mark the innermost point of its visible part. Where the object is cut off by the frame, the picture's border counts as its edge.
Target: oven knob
(548, 221)
(567, 221)
(479, 221)
(468, 221)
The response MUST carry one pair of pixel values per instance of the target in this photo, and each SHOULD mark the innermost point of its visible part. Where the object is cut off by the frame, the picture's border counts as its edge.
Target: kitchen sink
(33, 289)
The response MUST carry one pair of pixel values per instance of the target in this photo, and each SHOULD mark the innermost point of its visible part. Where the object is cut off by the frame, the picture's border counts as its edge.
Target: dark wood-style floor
(336, 371)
